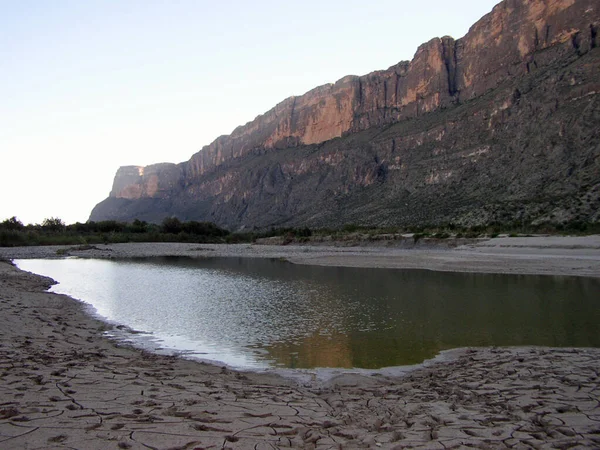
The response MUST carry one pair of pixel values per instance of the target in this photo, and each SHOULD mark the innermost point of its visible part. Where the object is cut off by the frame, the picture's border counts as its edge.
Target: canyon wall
(517, 61)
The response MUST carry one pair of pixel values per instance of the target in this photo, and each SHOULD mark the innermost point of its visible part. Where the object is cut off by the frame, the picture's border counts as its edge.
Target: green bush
(12, 224)
(171, 225)
(53, 224)
(303, 232)
(138, 226)
(110, 226)
(351, 228)
(12, 238)
(203, 229)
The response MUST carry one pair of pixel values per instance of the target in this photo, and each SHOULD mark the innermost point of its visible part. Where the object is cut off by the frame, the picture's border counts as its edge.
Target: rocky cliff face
(500, 124)
(157, 181)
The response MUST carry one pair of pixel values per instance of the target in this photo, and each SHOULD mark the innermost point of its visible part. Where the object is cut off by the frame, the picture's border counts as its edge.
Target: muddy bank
(64, 384)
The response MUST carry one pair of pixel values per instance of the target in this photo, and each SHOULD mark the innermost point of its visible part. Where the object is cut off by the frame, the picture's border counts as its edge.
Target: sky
(88, 86)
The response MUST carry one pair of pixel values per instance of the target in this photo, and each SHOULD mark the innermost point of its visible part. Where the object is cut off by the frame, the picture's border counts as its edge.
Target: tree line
(54, 231)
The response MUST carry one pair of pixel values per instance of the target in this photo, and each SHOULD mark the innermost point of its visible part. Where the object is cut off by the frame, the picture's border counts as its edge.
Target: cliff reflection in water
(259, 313)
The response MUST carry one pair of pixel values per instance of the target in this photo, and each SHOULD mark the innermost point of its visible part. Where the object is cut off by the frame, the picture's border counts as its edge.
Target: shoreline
(64, 384)
(550, 255)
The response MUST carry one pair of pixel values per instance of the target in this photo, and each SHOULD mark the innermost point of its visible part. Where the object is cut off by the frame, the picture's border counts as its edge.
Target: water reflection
(258, 313)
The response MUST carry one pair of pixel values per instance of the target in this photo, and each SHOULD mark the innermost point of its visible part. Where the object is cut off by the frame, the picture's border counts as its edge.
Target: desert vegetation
(53, 231)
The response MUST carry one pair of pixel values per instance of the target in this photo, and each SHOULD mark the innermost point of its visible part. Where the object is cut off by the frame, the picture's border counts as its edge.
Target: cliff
(445, 125)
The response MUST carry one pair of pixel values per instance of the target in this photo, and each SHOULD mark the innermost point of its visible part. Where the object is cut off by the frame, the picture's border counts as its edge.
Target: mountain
(501, 125)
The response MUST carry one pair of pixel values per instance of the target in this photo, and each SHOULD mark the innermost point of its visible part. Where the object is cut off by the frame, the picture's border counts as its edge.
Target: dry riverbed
(64, 385)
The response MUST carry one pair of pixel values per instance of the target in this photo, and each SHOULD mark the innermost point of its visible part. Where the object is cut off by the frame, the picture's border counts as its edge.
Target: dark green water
(269, 313)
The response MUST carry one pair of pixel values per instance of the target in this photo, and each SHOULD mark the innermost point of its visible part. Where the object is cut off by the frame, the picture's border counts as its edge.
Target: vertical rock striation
(156, 180)
(501, 56)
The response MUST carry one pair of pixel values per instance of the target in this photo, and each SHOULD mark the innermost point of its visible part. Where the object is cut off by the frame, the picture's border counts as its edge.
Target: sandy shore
(63, 385)
(577, 256)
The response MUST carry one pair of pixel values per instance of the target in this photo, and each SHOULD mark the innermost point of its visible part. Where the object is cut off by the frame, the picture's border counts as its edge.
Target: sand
(64, 385)
(576, 256)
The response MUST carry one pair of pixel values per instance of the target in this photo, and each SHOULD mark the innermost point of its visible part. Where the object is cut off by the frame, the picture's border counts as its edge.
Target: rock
(157, 180)
(498, 125)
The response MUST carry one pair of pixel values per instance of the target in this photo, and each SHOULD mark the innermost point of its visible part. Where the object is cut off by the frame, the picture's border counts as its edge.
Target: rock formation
(500, 125)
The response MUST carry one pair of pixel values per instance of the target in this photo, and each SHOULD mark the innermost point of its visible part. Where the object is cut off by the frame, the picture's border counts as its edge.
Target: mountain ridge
(519, 40)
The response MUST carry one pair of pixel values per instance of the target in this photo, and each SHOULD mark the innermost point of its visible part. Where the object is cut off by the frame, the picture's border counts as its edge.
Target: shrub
(12, 238)
(303, 232)
(53, 224)
(12, 224)
(203, 229)
(577, 226)
(138, 226)
(110, 226)
(81, 227)
(171, 225)
(351, 228)
(236, 238)
(418, 236)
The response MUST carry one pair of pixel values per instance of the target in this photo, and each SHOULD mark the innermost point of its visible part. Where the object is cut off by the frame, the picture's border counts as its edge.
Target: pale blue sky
(88, 86)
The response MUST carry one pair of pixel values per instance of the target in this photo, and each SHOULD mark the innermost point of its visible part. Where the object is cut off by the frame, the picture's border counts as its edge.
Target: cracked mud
(63, 385)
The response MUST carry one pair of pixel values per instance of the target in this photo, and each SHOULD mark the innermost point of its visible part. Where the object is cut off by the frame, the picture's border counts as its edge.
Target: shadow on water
(261, 312)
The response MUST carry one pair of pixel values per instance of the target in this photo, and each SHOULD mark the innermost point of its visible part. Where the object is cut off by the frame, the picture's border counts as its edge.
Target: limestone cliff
(524, 59)
(156, 180)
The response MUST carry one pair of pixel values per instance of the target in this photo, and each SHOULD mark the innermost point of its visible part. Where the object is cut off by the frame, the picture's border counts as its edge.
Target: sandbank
(63, 384)
(549, 255)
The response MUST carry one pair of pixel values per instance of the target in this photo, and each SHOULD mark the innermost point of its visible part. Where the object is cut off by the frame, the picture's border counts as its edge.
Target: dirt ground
(64, 385)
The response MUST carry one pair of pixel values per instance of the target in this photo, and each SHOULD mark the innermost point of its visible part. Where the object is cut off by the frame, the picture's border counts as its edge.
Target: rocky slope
(500, 125)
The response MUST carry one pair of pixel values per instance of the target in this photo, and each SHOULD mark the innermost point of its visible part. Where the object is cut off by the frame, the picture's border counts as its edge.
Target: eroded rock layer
(502, 124)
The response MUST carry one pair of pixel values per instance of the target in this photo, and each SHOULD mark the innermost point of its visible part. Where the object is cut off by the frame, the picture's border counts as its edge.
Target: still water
(259, 313)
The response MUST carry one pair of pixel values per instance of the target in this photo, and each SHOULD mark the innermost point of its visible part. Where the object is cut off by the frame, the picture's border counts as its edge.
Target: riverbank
(64, 384)
(549, 255)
